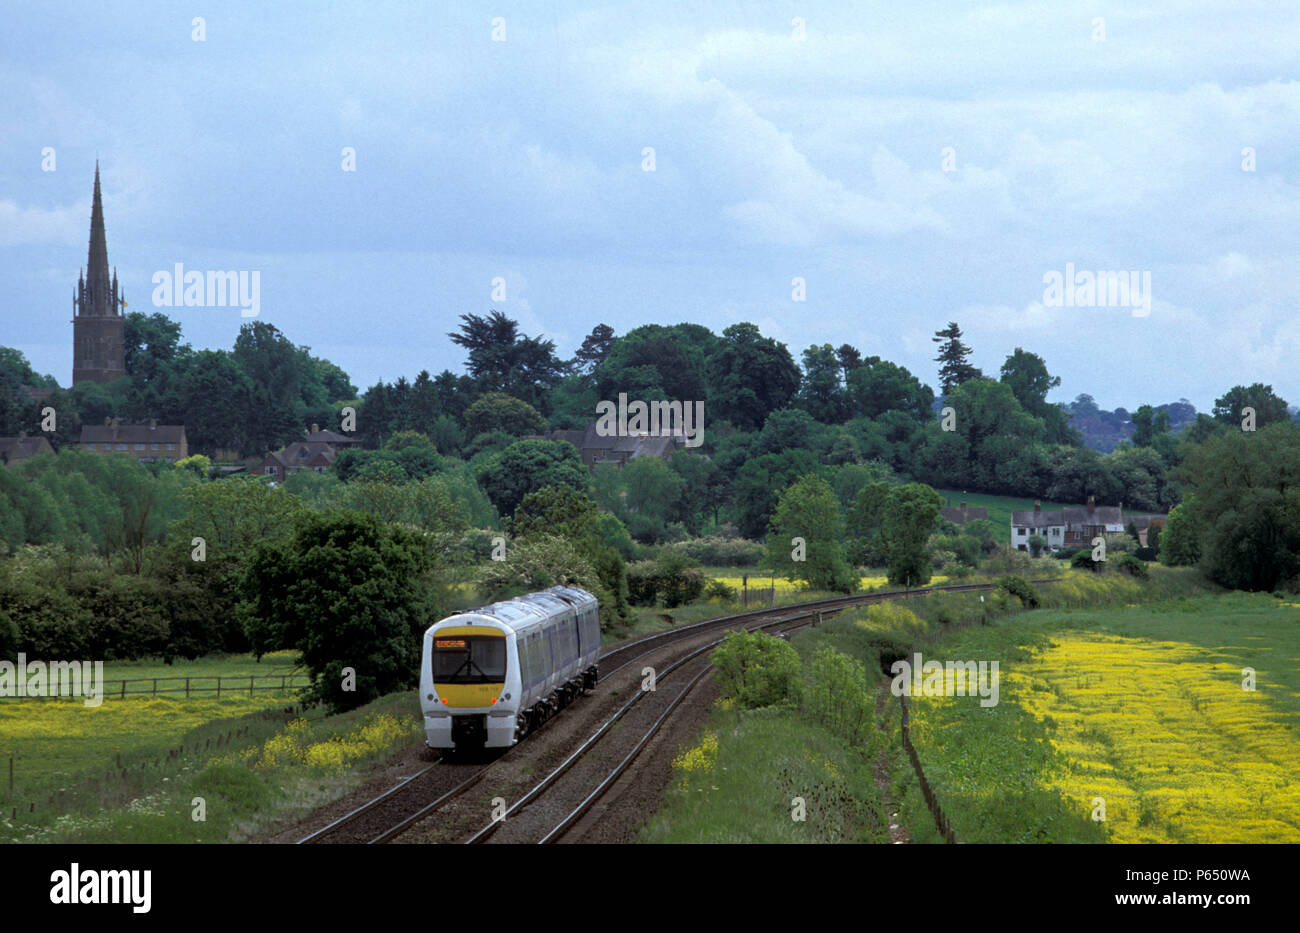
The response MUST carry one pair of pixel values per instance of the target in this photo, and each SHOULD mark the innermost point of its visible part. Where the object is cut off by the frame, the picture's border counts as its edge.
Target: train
(490, 676)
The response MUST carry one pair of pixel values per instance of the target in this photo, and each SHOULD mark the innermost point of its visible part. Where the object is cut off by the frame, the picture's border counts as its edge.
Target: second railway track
(443, 785)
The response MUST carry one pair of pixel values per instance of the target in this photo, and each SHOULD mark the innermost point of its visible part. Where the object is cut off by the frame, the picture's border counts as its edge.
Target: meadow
(1000, 508)
(1136, 713)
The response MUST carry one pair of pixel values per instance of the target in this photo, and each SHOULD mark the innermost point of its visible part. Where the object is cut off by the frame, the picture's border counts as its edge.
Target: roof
(14, 449)
(329, 437)
(1034, 517)
(132, 433)
(1100, 515)
(1144, 521)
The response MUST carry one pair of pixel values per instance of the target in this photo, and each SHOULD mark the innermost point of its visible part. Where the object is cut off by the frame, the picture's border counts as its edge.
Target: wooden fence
(217, 684)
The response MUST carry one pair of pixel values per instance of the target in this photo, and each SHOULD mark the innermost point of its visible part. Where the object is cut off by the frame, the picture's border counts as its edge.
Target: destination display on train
(450, 643)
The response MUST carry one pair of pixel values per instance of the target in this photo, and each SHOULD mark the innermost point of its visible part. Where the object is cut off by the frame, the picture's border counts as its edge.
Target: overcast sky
(776, 157)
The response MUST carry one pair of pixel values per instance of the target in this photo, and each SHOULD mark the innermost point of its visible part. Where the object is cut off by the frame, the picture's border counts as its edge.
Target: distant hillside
(1103, 430)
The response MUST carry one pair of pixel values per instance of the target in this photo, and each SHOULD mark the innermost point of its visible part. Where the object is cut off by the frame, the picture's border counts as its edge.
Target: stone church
(98, 322)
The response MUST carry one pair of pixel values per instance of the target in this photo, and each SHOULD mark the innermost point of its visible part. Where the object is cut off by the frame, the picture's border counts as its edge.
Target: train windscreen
(469, 660)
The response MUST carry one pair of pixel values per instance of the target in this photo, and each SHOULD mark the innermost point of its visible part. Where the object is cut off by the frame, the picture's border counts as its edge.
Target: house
(1050, 524)
(315, 452)
(1074, 527)
(1082, 525)
(146, 442)
(962, 515)
(596, 448)
(14, 450)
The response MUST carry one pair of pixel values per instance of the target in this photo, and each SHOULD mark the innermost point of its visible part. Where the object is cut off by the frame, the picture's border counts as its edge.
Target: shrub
(717, 551)
(673, 579)
(716, 589)
(837, 696)
(1083, 561)
(1020, 588)
(756, 670)
(1133, 567)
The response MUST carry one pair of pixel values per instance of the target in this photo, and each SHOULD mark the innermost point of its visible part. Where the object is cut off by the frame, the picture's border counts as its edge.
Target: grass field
(1140, 710)
(56, 743)
(1000, 508)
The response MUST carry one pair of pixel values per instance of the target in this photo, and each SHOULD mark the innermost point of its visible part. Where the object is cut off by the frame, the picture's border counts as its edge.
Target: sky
(910, 164)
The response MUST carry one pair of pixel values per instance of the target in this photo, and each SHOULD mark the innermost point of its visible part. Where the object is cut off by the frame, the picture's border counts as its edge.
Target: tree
(1269, 408)
(954, 357)
(353, 595)
(529, 465)
(595, 347)
(876, 386)
(234, 515)
(557, 510)
(1246, 507)
(909, 516)
(1148, 424)
(217, 399)
(808, 509)
(1027, 376)
(503, 360)
(758, 483)
(821, 392)
(750, 376)
(1180, 544)
(496, 411)
(849, 357)
(657, 362)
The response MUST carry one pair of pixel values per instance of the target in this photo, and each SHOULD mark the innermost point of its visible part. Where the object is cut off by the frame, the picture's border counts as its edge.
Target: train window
(469, 660)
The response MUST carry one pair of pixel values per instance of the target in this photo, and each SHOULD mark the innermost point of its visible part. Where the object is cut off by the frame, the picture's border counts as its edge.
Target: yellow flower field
(1164, 733)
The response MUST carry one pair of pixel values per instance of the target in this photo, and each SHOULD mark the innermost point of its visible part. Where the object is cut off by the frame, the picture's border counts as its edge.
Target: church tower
(98, 323)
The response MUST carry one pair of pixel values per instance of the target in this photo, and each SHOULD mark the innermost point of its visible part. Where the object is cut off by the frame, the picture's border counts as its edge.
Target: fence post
(187, 688)
(11, 773)
(281, 683)
(250, 685)
(124, 689)
(218, 686)
(155, 686)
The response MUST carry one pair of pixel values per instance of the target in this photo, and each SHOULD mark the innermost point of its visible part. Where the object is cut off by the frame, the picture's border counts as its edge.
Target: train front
(469, 683)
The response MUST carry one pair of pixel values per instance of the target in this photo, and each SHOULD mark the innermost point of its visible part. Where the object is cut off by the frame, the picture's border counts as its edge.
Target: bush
(717, 551)
(672, 580)
(1083, 561)
(756, 670)
(1133, 567)
(1020, 588)
(716, 589)
(837, 696)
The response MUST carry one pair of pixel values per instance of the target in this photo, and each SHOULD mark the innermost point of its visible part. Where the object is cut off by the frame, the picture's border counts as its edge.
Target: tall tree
(1269, 408)
(503, 360)
(954, 358)
(803, 538)
(595, 347)
(821, 393)
(750, 376)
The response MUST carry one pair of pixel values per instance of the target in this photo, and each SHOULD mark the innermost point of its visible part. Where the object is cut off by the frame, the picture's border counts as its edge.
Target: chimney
(1092, 503)
(108, 422)
(315, 429)
(153, 424)
(1038, 505)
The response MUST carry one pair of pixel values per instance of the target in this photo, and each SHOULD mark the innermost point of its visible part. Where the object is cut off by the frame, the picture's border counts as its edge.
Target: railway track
(390, 814)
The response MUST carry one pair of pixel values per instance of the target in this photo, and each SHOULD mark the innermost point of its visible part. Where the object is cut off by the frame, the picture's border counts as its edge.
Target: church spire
(99, 291)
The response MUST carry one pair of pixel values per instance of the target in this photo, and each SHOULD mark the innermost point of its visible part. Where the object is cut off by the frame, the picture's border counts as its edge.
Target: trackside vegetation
(1002, 773)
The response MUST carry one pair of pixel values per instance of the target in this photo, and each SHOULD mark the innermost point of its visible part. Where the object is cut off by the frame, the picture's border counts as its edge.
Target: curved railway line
(392, 813)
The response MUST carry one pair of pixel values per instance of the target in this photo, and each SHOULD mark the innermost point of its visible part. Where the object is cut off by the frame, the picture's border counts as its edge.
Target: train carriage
(490, 676)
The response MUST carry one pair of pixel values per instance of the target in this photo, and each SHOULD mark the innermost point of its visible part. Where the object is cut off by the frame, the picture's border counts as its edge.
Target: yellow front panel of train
(461, 696)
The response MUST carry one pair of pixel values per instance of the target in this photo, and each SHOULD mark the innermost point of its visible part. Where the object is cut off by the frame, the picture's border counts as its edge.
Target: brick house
(146, 442)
